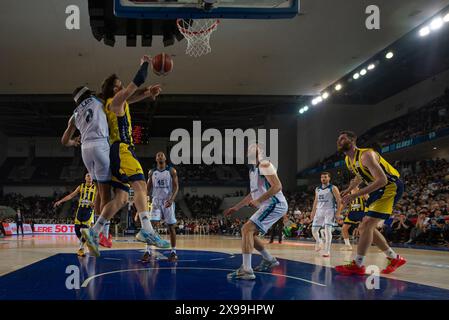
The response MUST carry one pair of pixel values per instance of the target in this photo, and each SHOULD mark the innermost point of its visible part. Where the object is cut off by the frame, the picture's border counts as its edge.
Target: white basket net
(197, 34)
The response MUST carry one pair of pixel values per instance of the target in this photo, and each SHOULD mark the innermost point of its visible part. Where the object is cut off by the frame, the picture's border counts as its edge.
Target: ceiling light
(446, 17)
(325, 95)
(436, 23)
(356, 76)
(338, 87)
(317, 100)
(301, 111)
(362, 72)
(424, 31)
(389, 55)
(306, 108)
(371, 66)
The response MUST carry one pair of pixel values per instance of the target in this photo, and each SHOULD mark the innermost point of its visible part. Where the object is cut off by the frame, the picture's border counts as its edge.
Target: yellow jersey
(120, 128)
(358, 204)
(356, 167)
(87, 196)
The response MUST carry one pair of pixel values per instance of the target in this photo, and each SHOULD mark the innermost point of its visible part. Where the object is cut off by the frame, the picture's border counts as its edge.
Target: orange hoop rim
(194, 33)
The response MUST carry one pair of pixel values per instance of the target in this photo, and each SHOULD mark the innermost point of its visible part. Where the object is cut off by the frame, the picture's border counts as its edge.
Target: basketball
(162, 64)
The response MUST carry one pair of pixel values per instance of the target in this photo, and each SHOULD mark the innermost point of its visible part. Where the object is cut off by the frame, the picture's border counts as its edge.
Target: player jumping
(265, 195)
(125, 167)
(384, 189)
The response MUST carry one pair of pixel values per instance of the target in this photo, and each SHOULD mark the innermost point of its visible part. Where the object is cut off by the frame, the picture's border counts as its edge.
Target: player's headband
(80, 93)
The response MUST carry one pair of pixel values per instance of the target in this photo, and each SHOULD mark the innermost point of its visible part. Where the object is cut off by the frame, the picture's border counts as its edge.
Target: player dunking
(265, 195)
(384, 187)
(125, 167)
(84, 215)
(163, 186)
(356, 212)
(326, 206)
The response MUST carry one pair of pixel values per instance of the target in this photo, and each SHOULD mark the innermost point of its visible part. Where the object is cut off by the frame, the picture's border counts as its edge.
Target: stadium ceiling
(301, 56)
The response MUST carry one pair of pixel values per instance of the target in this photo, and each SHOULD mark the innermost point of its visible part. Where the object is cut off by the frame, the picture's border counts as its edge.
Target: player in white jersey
(163, 187)
(90, 119)
(326, 207)
(265, 195)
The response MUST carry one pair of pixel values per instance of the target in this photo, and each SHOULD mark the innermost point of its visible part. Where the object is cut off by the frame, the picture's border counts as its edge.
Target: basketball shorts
(159, 211)
(84, 216)
(95, 154)
(267, 215)
(324, 217)
(125, 167)
(354, 217)
(381, 202)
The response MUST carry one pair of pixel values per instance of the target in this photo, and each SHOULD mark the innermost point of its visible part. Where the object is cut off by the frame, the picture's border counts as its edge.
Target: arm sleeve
(141, 74)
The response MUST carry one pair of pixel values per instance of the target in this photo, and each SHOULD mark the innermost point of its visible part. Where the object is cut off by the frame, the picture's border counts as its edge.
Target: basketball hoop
(197, 34)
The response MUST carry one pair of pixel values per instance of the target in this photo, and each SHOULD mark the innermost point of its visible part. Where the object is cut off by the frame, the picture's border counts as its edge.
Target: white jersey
(90, 120)
(162, 184)
(325, 198)
(259, 185)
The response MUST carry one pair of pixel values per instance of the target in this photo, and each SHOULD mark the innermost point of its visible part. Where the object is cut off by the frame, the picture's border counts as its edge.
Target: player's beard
(345, 147)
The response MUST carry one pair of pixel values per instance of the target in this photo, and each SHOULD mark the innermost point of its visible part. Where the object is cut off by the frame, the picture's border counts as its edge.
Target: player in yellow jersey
(84, 216)
(356, 212)
(384, 188)
(125, 167)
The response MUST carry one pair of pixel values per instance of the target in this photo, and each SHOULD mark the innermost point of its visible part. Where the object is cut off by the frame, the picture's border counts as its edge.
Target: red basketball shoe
(393, 264)
(105, 242)
(350, 269)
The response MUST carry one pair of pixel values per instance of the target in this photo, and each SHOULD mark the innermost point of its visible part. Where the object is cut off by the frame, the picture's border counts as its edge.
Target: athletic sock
(266, 255)
(81, 244)
(316, 234)
(145, 221)
(173, 249)
(359, 260)
(247, 262)
(328, 238)
(390, 253)
(106, 229)
(99, 225)
(347, 242)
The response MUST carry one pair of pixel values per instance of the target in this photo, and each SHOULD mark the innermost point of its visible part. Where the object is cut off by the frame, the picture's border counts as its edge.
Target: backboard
(193, 9)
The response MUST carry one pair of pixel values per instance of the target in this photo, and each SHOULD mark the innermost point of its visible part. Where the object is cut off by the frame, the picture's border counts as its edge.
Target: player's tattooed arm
(370, 160)
(118, 102)
(67, 197)
(175, 187)
(67, 138)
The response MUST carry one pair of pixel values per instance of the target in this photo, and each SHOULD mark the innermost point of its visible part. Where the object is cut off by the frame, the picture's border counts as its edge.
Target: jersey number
(89, 115)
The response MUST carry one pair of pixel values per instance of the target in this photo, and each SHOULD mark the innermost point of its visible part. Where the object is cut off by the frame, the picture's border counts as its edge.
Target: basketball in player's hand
(162, 64)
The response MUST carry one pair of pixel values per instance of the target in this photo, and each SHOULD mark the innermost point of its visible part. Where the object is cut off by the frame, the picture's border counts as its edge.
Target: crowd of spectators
(35, 208)
(203, 205)
(421, 216)
(431, 117)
